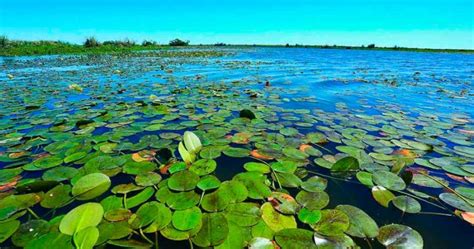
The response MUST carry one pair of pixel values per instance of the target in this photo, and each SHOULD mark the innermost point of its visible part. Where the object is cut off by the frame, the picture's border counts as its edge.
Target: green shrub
(91, 42)
(3, 41)
(146, 43)
(178, 42)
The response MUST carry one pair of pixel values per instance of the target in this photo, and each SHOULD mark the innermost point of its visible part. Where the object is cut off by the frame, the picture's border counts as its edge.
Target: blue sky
(411, 23)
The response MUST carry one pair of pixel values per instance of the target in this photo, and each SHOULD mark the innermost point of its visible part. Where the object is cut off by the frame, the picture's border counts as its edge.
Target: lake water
(369, 101)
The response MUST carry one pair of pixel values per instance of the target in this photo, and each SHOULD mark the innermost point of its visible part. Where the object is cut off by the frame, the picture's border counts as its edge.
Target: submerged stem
(321, 147)
(125, 200)
(368, 243)
(202, 196)
(449, 188)
(435, 213)
(33, 213)
(145, 237)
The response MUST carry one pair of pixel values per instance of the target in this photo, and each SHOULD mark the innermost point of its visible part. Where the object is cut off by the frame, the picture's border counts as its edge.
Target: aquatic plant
(214, 164)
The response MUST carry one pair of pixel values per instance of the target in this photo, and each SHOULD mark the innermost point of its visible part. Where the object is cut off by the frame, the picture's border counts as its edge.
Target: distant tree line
(93, 42)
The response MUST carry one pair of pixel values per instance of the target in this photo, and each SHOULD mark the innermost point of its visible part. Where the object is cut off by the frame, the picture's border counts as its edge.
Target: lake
(295, 147)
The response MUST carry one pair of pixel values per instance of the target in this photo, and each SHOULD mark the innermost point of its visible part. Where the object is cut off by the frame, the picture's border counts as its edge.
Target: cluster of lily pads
(105, 162)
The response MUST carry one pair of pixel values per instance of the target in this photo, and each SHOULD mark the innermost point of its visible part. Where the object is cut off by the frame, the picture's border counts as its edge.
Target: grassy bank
(50, 47)
(21, 48)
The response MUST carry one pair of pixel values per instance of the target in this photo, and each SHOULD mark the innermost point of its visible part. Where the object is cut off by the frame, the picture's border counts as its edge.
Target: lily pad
(214, 230)
(183, 181)
(399, 236)
(91, 186)
(85, 215)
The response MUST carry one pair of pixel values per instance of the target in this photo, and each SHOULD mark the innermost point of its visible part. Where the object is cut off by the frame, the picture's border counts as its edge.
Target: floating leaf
(454, 201)
(333, 222)
(346, 164)
(295, 238)
(7, 229)
(407, 204)
(187, 219)
(214, 230)
(399, 236)
(382, 195)
(208, 182)
(257, 167)
(389, 180)
(86, 238)
(57, 197)
(309, 216)
(91, 186)
(275, 220)
(243, 214)
(313, 200)
(85, 215)
(29, 231)
(203, 167)
(183, 181)
(360, 223)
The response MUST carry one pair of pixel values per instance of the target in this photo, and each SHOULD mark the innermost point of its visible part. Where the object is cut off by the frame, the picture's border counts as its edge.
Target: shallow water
(351, 88)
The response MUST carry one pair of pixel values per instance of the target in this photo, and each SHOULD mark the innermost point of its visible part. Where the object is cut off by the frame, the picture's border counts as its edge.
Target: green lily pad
(183, 181)
(145, 215)
(57, 197)
(284, 167)
(407, 204)
(7, 229)
(86, 238)
(208, 182)
(186, 219)
(360, 223)
(333, 222)
(140, 198)
(236, 190)
(309, 216)
(216, 201)
(456, 202)
(85, 215)
(346, 164)
(243, 214)
(214, 230)
(389, 180)
(236, 152)
(382, 195)
(91, 186)
(255, 184)
(275, 220)
(29, 231)
(203, 167)
(330, 242)
(162, 219)
(182, 200)
(257, 167)
(295, 238)
(148, 179)
(399, 236)
(314, 184)
(313, 200)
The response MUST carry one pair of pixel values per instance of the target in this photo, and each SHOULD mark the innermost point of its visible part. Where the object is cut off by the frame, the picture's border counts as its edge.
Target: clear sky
(411, 23)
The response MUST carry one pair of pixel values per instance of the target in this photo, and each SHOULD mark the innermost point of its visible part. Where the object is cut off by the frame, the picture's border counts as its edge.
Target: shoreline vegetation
(93, 46)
